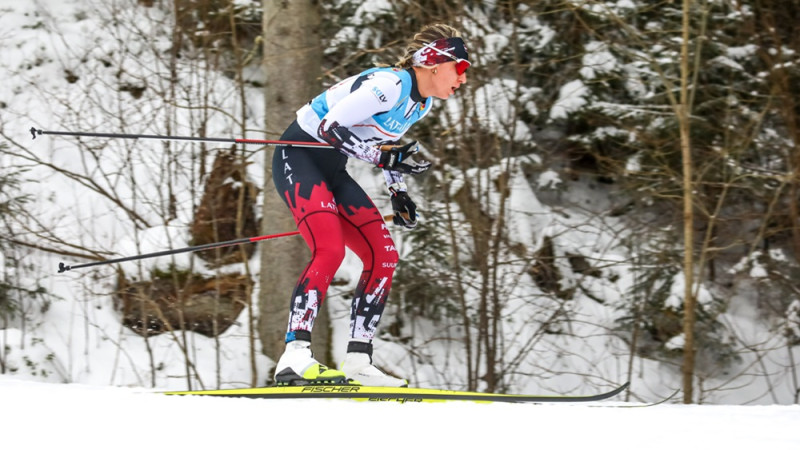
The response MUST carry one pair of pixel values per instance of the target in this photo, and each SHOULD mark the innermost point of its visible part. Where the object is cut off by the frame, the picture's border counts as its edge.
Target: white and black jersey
(372, 108)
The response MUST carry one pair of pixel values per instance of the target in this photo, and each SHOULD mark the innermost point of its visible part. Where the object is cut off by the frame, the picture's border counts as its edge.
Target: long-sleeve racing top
(364, 111)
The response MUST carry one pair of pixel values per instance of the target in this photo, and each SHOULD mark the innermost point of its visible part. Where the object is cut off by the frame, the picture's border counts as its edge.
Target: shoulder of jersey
(381, 89)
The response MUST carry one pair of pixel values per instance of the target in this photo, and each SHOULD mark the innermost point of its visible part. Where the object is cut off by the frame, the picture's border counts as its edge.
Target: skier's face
(447, 79)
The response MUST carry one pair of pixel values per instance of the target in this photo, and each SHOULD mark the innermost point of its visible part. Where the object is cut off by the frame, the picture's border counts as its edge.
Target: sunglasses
(461, 64)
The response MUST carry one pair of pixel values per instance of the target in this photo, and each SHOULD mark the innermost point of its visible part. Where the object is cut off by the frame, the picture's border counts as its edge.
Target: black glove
(399, 159)
(405, 210)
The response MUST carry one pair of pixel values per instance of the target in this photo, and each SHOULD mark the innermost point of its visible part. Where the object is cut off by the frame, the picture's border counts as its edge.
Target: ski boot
(358, 367)
(297, 367)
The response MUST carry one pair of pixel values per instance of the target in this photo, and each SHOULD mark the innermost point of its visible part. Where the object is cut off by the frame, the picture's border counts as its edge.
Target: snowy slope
(44, 416)
(78, 338)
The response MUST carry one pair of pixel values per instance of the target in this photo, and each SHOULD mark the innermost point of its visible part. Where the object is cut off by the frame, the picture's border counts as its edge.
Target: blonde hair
(425, 36)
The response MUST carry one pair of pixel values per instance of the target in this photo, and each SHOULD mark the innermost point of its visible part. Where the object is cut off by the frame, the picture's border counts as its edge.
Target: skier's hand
(399, 160)
(405, 210)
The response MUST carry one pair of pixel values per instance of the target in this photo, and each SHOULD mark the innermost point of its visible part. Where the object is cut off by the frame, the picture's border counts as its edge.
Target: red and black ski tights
(333, 212)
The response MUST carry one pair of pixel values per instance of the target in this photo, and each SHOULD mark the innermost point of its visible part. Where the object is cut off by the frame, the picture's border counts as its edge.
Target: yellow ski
(392, 394)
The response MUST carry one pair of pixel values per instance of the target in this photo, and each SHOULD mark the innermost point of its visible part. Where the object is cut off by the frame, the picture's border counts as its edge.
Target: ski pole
(34, 132)
(63, 267)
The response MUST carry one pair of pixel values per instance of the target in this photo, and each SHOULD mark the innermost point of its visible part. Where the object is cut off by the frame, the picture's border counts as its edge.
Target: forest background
(614, 195)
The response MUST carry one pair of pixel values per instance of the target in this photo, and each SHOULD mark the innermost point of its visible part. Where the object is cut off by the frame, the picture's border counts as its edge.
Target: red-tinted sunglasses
(461, 64)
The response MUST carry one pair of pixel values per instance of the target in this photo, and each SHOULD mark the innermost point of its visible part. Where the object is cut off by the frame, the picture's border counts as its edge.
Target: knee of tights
(389, 258)
(331, 254)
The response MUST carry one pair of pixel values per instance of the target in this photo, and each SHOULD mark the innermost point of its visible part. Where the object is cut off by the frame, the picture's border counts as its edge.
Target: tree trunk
(292, 56)
(684, 117)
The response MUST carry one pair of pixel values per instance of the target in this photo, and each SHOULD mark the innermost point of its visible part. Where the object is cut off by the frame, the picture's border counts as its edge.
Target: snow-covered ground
(49, 416)
(76, 337)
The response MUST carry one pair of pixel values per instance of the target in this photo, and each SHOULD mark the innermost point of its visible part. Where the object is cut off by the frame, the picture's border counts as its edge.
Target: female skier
(359, 117)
